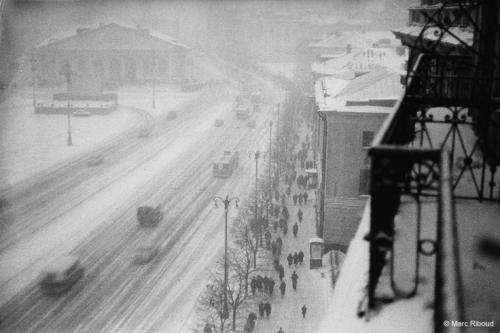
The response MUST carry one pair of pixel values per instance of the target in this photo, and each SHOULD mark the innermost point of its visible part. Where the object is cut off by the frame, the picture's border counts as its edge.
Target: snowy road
(91, 212)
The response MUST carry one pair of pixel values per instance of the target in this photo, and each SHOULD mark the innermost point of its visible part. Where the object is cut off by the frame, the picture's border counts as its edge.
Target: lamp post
(154, 79)
(33, 77)
(270, 154)
(227, 201)
(66, 71)
(256, 155)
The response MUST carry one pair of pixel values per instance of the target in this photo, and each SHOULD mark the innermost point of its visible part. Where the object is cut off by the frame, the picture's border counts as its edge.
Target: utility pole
(270, 154)
(226, 203)
(66, 71)
(33, 77)
(154, 79)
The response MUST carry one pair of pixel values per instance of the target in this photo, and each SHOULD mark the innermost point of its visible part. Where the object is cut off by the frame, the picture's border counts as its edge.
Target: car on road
(251, 124)
(148, 216)
(95, 161)
(61, 274)
(143, 133)
(171, 115)
(82, 113)
(145, 254)
(219, 122)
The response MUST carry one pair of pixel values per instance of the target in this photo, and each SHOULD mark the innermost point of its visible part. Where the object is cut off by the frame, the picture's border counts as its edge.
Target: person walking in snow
(281, 272)
(300, 199)
(261, 309)
(305, 197)
(304, 310)
(295, 229)
(290, 259)
(300, 214)
(295, 277)
(282, 288)
(301, 256)
(271, 287)
(295, 259)
(267, 308)
(253, 285)
(294, 199)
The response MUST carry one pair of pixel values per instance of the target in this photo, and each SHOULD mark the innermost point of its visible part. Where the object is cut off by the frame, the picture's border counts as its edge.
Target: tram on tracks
(226, 164)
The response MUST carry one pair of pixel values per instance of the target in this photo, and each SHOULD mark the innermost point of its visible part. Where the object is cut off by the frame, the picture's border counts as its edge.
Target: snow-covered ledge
(409, 315)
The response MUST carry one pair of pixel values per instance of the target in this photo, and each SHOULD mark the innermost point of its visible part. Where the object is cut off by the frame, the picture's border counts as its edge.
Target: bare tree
(212, 300)
(238, 282)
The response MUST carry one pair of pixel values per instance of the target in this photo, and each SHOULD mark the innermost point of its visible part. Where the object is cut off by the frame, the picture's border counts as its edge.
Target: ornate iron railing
(449, 105)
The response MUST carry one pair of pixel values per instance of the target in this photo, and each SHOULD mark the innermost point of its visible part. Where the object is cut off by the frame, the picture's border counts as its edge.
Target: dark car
(61, 274)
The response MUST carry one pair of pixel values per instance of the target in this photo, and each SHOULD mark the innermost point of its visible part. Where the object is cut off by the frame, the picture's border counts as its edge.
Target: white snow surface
(32, 253)
(33, 142)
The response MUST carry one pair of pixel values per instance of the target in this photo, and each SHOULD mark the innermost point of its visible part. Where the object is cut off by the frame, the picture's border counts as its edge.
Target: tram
(226, 164)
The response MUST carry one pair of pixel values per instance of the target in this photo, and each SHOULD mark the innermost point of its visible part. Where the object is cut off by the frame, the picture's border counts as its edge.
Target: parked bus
(226, 164)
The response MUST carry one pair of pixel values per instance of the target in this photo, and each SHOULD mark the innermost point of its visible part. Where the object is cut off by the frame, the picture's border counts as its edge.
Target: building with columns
(112, 55)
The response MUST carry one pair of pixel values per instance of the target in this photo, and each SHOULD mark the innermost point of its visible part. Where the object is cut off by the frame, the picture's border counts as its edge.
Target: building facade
(351, 112)
(112, 54)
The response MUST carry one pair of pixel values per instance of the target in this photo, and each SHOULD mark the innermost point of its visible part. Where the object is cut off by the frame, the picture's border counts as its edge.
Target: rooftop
(98, 37)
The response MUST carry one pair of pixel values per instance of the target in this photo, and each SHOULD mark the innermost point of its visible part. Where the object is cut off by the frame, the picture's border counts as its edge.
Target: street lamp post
(270, 155)
(227, 201)
(33, 77)
(154, 79)
(66, 71)
(258, 235)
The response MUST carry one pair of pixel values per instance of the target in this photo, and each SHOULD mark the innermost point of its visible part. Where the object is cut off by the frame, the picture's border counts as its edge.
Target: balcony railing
(403, 167)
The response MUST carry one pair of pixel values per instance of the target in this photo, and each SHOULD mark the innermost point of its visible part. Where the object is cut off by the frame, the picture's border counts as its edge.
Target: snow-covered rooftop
(434, 34)
(334, 94)
(149, 40)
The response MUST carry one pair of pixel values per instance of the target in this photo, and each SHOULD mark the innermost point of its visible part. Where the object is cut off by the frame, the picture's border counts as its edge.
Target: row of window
(115, 64)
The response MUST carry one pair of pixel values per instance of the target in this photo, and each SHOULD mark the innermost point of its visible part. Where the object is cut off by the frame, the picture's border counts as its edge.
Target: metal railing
(400, 168)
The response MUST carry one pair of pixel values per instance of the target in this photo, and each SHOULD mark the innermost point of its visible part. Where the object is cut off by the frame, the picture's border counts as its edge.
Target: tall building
(425, 257)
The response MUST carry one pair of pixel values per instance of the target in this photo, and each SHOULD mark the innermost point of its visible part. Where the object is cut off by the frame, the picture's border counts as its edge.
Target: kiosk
(316, 248)
(312, 177)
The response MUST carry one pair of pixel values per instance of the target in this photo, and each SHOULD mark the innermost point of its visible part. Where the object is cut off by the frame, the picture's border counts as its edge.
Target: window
(364, 182)
(368, 138)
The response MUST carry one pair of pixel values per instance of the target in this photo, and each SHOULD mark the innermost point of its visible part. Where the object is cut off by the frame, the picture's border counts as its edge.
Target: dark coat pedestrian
(285, 229)
(285, 212)
(271, 287)
(290, 259)
(267, 308)
(253, 285)
(282, 288)
(305, 197)
(281, 272)
(295, 259)
(300, 214)
(261, 309)
(300, 198)
(279, 242)
(304, 310)
(299, 181)
(295, 229)
(295, 199)
(295, 277)
(301, 256)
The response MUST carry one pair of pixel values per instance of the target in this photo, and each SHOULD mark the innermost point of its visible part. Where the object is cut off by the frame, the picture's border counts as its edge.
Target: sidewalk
(313, 287)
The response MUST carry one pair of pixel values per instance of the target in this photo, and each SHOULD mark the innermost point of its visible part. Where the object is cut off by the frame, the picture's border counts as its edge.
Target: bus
(226, 164)
(242, 112)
